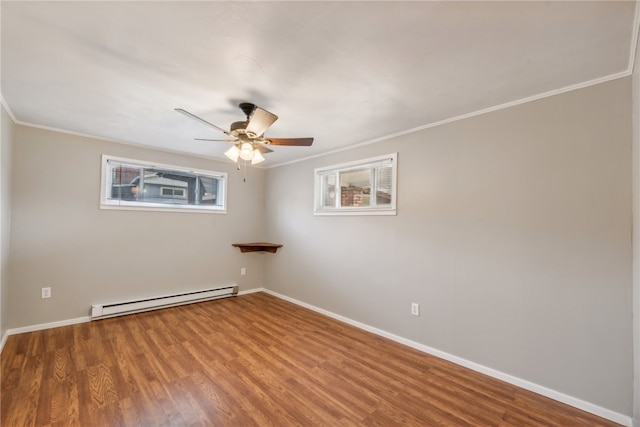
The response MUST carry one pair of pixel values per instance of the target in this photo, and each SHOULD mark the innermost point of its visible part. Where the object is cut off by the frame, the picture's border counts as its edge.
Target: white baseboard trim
(50, 325)
(4, 340)
(67, 322)
(251, 291)
(536, 388)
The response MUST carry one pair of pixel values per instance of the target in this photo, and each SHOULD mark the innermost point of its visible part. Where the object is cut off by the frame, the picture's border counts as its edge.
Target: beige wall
(512, 234)
(6, 144)
(636, 236)
(60, 237)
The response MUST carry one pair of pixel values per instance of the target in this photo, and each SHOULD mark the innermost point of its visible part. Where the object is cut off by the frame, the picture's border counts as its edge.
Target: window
(139, 185)
(173, 192)
(366, 187)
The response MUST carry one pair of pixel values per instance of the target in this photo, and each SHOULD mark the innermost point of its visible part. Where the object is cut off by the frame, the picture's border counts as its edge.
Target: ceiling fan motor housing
(239, 128)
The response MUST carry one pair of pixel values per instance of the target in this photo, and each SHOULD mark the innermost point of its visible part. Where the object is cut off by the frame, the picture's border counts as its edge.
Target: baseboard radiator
(101, 311)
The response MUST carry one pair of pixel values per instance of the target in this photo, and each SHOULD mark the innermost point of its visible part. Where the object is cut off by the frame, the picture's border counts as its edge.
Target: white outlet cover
(415, 309)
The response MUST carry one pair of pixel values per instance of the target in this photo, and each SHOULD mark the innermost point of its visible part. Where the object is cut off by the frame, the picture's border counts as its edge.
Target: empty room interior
(320, 213)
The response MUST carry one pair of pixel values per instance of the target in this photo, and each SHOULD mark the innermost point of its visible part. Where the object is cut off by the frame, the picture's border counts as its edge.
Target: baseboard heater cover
(101, 311)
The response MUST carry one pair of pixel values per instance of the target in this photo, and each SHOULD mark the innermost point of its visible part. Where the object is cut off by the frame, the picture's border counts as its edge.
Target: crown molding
(521, 101)
(7, 109)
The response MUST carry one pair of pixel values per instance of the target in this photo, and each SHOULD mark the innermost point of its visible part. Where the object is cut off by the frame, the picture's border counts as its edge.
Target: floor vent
(100, 311)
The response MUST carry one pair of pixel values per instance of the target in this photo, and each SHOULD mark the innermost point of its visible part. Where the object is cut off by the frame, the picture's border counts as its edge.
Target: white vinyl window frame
(106, 183)
(321, 177)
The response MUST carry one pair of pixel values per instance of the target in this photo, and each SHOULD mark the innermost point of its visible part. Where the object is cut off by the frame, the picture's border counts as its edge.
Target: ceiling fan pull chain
(244, 177)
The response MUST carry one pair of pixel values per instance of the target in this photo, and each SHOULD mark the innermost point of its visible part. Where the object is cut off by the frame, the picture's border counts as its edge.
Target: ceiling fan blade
(302, 142)
(217, 140)
(261, 148)
(193, 116)
(260, 121)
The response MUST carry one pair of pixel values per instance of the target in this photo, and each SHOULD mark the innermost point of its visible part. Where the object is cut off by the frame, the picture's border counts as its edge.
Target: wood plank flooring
(252, 360)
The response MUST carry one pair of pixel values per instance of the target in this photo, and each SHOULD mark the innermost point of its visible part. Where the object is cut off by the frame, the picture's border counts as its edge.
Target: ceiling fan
(248, 135)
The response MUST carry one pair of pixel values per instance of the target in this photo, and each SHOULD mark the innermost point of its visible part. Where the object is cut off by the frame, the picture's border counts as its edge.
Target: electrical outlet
(415, 309)
(46, 292)
(243, 271)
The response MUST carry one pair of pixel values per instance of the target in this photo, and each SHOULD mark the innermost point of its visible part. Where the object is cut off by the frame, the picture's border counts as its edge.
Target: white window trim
(358, 164)
(105, 185)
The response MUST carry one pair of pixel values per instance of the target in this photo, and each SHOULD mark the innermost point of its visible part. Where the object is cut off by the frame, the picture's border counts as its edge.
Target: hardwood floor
(252, 360)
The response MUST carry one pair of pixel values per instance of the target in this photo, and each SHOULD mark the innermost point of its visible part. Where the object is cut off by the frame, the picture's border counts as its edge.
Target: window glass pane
(209, 187)
(355, 187)
(134, 185)
(328, 192)
(384, 182)
(122, 178)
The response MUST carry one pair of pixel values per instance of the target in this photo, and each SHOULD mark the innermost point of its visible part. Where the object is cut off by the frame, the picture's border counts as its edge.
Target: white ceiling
(343, 72)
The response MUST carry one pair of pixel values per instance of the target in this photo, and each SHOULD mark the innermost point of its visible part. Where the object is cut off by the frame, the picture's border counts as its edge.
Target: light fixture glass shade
(246, 151)
(257, 157)
(233, 153)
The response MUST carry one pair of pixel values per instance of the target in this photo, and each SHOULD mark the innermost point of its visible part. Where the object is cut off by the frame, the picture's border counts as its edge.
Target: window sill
(161, 208)
(338, 212)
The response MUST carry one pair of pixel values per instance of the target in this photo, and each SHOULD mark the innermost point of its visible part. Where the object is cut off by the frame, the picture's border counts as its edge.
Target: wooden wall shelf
(258, 247)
